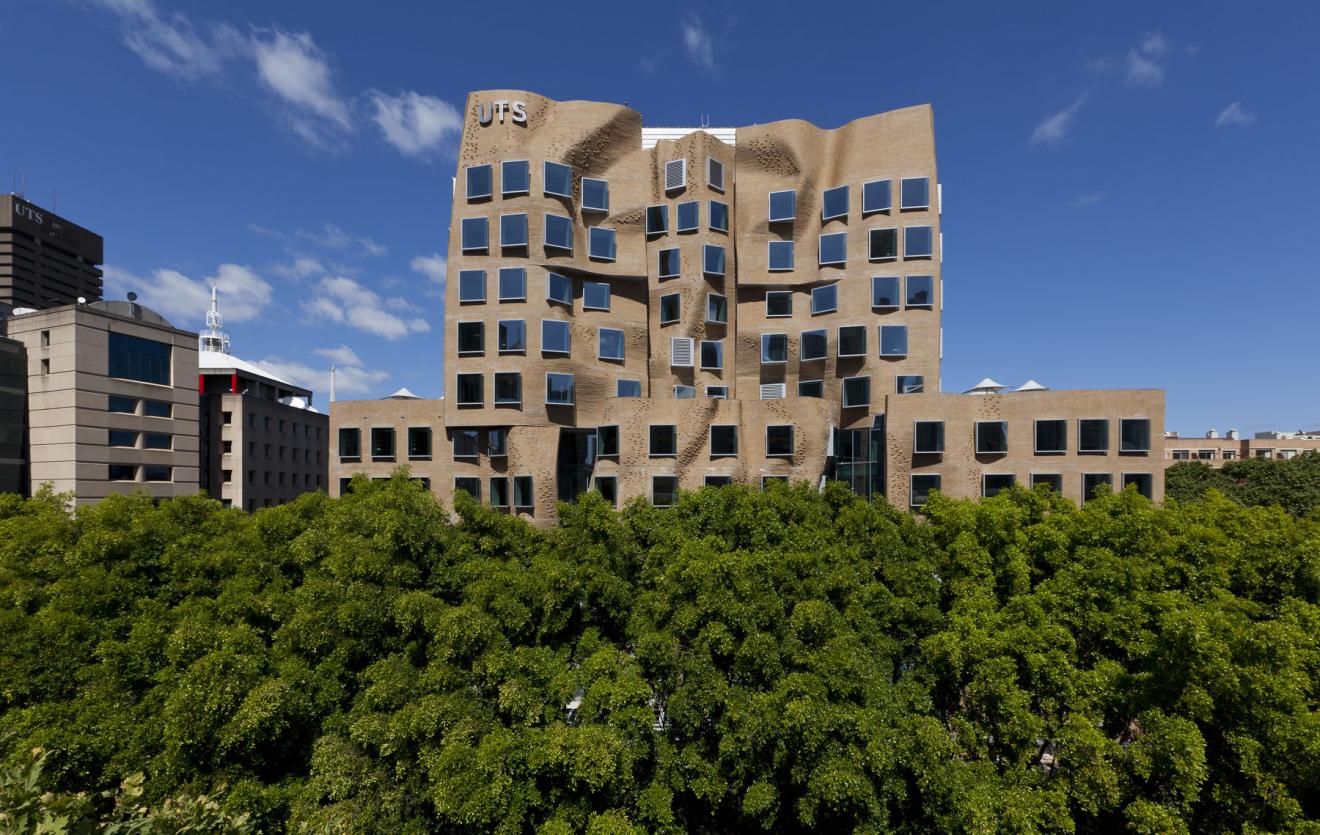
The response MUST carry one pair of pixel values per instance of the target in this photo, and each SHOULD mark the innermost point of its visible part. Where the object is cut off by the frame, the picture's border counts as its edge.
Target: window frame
(825, 197)
(458, 388)
(505, 191)
(778, 294)
(1080, 435)
(468, 325)
(819, 383)
(889, 197)
(902, 194)
(484, 223)
(663, 214)
(907, 293)
(501, 330)
(724, 212)
(770, 207)
(898, 383)
(550, 282)
(677, 262)
(568, 329)
(461, 299)
(545, 179)
(660, 311)
(907, 232)
(912, 488)
(870, 240)
(706, 250)
(824, 334)
(572, 389)
(1122, 440)
(701, 350)
(724, 307)
(834, 288)
(1088, 495)
(711, 165)
(651, 439)
(545, 232)
(714, 453)
(600, 344)
(916, 435)
(490, 182)
(602, 449)
(792, 440)
(668, 478)
(582, 202)
(522, 271)
(602, 233)
(898, 286)
(526, 234)
(495, 394)
(527, 492)
(976, 434)
(844, 400)
(1056, 481)
(596, 285)
(695, 225)
(820, 249)
(1035, 445)
(892, 329)
(766, 342)
(985, 478)
(838, 341)
(773, 245)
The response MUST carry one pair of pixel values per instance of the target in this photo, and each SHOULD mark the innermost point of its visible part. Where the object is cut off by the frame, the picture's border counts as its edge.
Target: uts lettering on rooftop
(488, 112)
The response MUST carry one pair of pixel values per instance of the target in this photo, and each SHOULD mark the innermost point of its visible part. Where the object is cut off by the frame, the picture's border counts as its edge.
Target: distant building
(376, 436)
(1215, 450)
(45, 260)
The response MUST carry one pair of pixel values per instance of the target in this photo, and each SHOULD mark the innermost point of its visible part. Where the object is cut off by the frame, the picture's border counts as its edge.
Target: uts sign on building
(488, 112)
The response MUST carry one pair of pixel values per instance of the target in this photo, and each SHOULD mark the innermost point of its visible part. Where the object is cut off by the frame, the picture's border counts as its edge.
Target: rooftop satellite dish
(132, 296)
(82, 300)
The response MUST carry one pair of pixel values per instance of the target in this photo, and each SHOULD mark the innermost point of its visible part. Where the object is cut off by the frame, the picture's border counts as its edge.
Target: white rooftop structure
(1032, 385)
(214, 362)
(986, 386)
(650, 136)
(402, 394)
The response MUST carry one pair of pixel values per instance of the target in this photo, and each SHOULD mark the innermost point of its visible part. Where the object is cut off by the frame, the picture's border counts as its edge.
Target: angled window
(499, 491)
(469, 485)
(856, 392)
(608, 487)
(669, 263)
(558, 389)
(508, 388)
(893, 340)
(680, 352)
(923, 484)
(675, 174)
(559, 288)
(834, 203)
(558, 179)
(628, 388)
(717, 309)
(852, 341)
(723, 440)
(1144, 482)
(1134, 435)
(684, 392)
(123, 405)
(824, 299)
(607, 441)
(910, 384)
(513, 284)
(992, 484)
(1052, 480)
(884, 291)
(475, 234)
(523, 497)
(717, 392)
(663, 441)
(811, 388)
(719, 216)
(595, 195)
(778, 303)
(779, 441)
(815, 345)
(559, 232)
(1095, 485)
(715, 173)
(917, 242)
(991, 437)
(884, 244)
(657, 220)
(670, 308)
(920, 291)
(712, 259)
(779, 257)
(1051, 437)
(122, 437)
(664, 490)
(916, 192)
(834, 248)
(515, 177)
(600, 243)
(158, 472)
(478, 182)
(610, 344)
(156, 408)
(350, 443)
(595, 295)
(513, 230)
(876, 197)
(689, 216)
(783, 206)
(382, 442)
(928, 437)
(555, 337)
(470, 389)
(1092, 435)
(774, 348)
(512, 336)
(712, 354)
(471, 337)
(774, 391)
(471, 286)
(497, 443)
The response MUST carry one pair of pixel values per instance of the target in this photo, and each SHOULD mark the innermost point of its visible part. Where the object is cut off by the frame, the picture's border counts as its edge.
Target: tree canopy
(1290, 483)
(788, 661)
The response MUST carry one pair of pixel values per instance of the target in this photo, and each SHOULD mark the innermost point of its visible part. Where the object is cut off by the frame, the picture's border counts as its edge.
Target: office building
(1215, 450)
(45, 260)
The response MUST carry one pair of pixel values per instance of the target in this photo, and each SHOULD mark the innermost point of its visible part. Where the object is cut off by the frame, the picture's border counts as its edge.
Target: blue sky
(1129, 187)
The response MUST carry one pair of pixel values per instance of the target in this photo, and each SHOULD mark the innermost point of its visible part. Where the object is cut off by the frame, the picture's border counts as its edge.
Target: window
(779, 441)
(811, 388)
(834, 248)
(774, 391)
(783, 206)
(992, 484)
(476, 234)
(350, 443)
(856, 392)
(717, 392)
(1134, 435)
(226, 418)
(680, 352)
(157, 472)
(852, 341)
(470, 389)
(595, 195)
(607, 441)
(712, 354)
(382, 442)
(669, 308)
(608, 487)
(713, 259)
(512, 336)
(1229, 454)
(419, 442)
(595, 295)
(719, 216)
(1205, 454)
(780, 256)
(600, 243)
(471, 486)
(559, 288)
(723, 440)
(663, 441)
(471, 286)
(478, 182)
(1051, 437)
(917, 242)
(559, 389)
(928, 437)
(717, 309)
(508, 388)
(884, 245)
(513, 284)
(466, 443)
(471, 338)
(909, 384)
(834, 203)
(876, 197)
(774, 348)
(610, 344)
(499, 491)
(682, 392)
(522, 492)
(669, 263)
(628, 388)
(134, 358)
(715, 173)
(675, 174)
(893, 340)
(513, 230)
(1053, 480)
(558, 179)
(1092, 435)
(559, 232)
(45, 366)
(825, 299)
(122, 472)
(227, 476)
(664, 490)
(991, 437)
(657, 220)
(920, 291)
(554, 336)
(515, 177)
(157, 440)
(884, 291)
(497, 442)
(123, 405)
(814, 345)
(922, 485)
(1092, 483)
(718, 480)
(1144, 482)
(122, 437)
(689, 216)
(916, 193)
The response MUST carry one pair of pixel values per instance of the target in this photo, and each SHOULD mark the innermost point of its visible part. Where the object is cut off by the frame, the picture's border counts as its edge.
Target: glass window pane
(825, 299)
(922, 486)
(657, 220)
(559, 389)
(628, 388)
(134, 358)
(834, 248)
(669, 308)
(471, 337)
(559, 288)
(156, 472)
(156, 408)
(124, 405)
(508, 388)
(1092, 435)
(595, 195)
(474, 233)
(815, 345)
(419, 442)
(1144, 482)
(910, 384)
(928, 437)
(513, 230)
(893, 340)
(350, 443)
(1134, 435)
(522, 492)
(719, 216)
(595, 295)
(601, 243)
(779, 441)
(122, 437)
(664, 491)
(780, 255)
(663, 440)
(512, 335)
(991, 437)
(554, 336)
(856, 391)
(916, 192)
(713, 259)
(1094, 484)
(811, 388)
(472, 285)
(478, 181)
(558, 179)
(1053, 480)
(876, 197)
(723, 440)
(515, 177)
(382, 442)
(513, 284)
(717, 309)
(774, 348)
(559, 232)
(611, 344)
(917, 242)
(712, 354)
(852, 341)
(779, 303)
(470, 389)
(884, 291)
(834, 203)
(607, 441)
(884, 244)
(783, 206)
(920, 291)
(1051, 436)
(669, 263)
(689, 216)
(995, 483)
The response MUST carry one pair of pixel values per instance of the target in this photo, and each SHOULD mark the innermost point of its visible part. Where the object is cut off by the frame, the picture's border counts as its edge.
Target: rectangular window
(1092, 435)
(595, 195)
(815, 345)
(555, 336)
(824, 299)
(513, 230)
(811, 388)
(610, 344)
(522, 492)
(513, 284)
(712, 259)
(471, 486)
(669, 263)
(122, 472)
(122, 437)
(470, 389)
(834, 203)
(478, 182)
(916, 192)
(922, 486)
(628, 388)
(499, 491)
(1051, 437)
(909, 384)
(774, 391)
(600, 243)
(719, 216)
(608, 487)
(123, 405)
(226, 418)
(778, 303)
(893, 340)
(774, 348)
(783, 206)
(717, 309)
(689, 216)
(471, 338)
(382, 442)
(991, 437)
(559, 232)
(928, 437)
(717, 392)
(559, 389)
(675, 174)
(876, 197)
(595, 295)
(508, 388)
(779, 441)
(834, 248)
(723, 440)
(158, 472)
(134, 358)
(718, 480)
(350, 443)
(559, 288)
(884, 244)
(497, 442)
(419, 442)
(920, 291)
(157, 440)
(467, 443)
(663, 441)
(682, 392)
(558, 179)
(664, 490)
(1053, 480)
(1144, 482)
(712, 355)
(669, 308)
(856, 392)
(607, 441)
(512, 336)
(680, 352)
(657, 220)
(471, 286)
(779, 256)
(1134, 435)
(992, 484)
(1095, 484)
(884, 292)
(476, 234)
(715, 173)
(515, 177)
(918, 242)
(852, 341)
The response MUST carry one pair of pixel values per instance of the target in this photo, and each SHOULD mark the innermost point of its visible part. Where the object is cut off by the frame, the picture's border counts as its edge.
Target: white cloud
(343, 355)
(294, 68)
(1084, 200)
(347, 302)
(243, 295)
(302, 267)
(1234, 115)
(417, 125)
(1055, 126)
(170, 44)
(1143, 61)
(433, 266)
(333, 237)
(349, 379)
(697, 40)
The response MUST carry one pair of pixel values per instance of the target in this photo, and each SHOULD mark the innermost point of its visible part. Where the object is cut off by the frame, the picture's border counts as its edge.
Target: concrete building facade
(45, 260)
(1216, 450)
